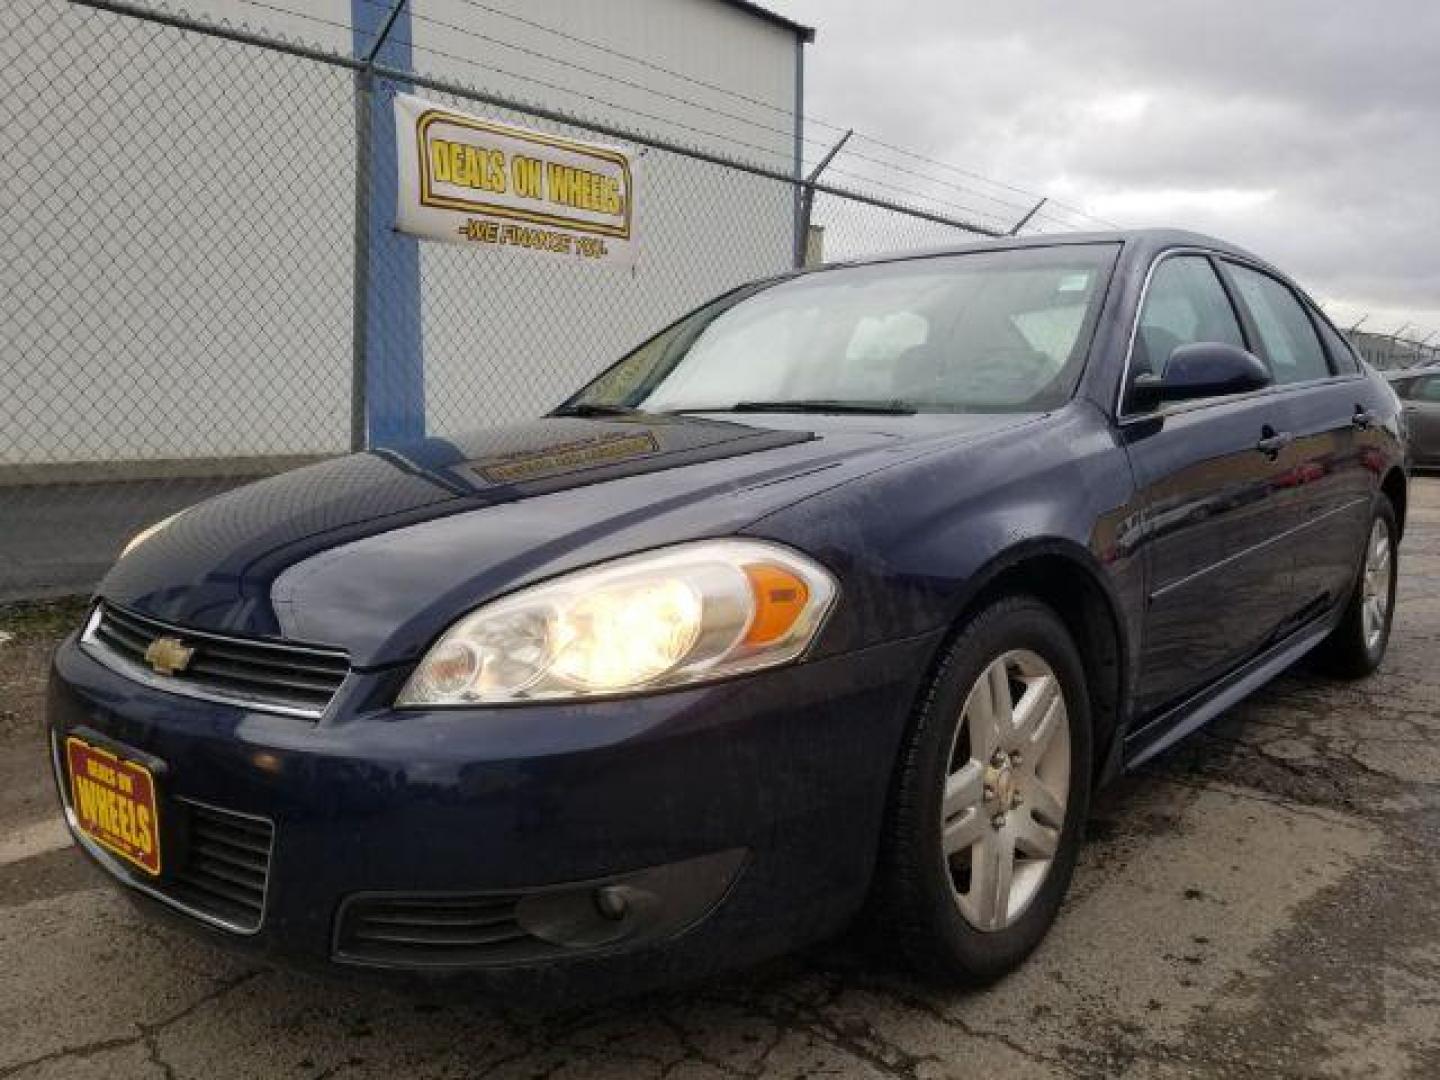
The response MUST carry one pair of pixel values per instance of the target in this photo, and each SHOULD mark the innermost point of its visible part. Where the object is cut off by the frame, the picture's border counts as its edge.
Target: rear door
(1328, 409)
(1219, 586)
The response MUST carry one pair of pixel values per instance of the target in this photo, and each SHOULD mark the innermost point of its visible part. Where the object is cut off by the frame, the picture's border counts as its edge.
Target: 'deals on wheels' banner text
(473, 181)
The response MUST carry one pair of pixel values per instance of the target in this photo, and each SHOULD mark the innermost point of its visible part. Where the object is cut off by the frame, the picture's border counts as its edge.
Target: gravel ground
(1261, 901)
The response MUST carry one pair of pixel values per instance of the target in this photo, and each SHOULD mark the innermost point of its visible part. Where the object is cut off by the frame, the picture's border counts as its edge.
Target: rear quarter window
(1342, 356)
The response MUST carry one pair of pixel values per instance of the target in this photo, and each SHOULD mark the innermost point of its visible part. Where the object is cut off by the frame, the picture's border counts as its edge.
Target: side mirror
(1199, 370)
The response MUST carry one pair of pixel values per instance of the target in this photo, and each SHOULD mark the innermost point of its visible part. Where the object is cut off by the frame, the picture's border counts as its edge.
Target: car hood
(377, 552)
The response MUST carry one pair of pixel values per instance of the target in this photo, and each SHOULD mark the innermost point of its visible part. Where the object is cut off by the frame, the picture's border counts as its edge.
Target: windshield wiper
(873, 408)
(585, 408)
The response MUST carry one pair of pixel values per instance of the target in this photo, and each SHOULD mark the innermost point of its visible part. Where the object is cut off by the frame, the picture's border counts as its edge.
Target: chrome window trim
(122, 874)
(98, 651)
(1123, 418)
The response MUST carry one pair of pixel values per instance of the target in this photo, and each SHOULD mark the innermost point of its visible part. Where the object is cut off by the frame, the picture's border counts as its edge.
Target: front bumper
(757, 802)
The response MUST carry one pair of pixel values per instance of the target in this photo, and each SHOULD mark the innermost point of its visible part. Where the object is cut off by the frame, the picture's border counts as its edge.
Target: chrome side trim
(117, 869)
(97, 651)
(1269, 541)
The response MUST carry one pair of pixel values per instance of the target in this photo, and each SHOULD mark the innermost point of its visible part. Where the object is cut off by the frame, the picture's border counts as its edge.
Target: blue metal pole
(390, 347)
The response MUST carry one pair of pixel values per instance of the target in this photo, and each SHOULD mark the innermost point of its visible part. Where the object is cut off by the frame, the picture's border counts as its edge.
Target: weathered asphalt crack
(918, 1002)
(863, 1044)
(146, 1034)
(690, 1051)
(87, 1050)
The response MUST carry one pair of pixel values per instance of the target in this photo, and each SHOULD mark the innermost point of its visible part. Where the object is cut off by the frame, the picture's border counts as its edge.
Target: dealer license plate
(114, 803)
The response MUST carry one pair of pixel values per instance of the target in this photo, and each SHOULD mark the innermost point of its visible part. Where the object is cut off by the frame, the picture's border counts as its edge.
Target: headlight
(147, 532)
(681, 615)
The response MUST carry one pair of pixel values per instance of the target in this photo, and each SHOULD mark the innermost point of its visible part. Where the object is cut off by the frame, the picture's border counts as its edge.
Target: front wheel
(990, 798)
(1357, 645)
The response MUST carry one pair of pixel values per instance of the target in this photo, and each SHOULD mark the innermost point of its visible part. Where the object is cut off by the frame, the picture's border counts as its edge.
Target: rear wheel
(1357, 645)
(991, 797)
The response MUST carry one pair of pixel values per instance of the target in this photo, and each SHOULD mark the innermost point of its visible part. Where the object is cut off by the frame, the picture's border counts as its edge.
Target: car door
(1422, 416)
(1218, 586)
(1328, 410)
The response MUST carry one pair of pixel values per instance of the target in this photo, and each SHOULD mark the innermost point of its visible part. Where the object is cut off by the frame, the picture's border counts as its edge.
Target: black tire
(1348, 653)
(915, 894)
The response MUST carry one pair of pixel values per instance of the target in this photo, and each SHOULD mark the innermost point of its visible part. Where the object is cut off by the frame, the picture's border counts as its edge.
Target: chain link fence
(179, 281)
(1389, 352)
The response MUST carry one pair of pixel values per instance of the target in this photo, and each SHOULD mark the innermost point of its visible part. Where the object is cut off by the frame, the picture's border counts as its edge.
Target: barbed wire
(849, 154)
(977, 176)
(642, 62)
(922, 196)
(349, 28)
(806, 140)
(571, 65)
(809, 118)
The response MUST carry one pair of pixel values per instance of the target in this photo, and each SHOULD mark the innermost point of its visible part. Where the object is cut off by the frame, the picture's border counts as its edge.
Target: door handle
(1273, 442)
(1363, 418)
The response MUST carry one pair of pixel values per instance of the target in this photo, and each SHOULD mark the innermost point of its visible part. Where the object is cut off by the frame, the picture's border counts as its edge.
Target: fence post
(360, 289)
(807, 200)
(1015, 229)
(387, 398)
(801, 224)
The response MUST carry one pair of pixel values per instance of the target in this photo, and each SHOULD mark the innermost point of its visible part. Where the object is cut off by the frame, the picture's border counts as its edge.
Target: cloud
(1306, 130)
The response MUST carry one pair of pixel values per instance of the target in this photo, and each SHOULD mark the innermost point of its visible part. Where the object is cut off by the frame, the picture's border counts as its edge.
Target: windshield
(992, 331)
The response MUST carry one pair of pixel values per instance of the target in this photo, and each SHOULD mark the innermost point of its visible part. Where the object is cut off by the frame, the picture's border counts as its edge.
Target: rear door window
(1287, 336)
(1426, 389)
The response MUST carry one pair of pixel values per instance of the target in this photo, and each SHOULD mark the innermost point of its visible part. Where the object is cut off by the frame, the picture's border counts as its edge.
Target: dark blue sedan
(844, 591)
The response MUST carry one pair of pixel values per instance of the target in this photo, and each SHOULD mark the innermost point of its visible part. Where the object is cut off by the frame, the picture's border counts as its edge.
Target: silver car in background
(1419, 390)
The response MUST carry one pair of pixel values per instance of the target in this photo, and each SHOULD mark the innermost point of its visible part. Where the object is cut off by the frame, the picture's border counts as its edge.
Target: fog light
(610, 902)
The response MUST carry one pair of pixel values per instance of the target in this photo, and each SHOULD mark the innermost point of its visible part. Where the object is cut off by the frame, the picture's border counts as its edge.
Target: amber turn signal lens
(780, 599)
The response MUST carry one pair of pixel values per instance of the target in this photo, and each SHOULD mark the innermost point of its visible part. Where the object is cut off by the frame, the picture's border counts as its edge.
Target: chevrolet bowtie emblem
(167, 655)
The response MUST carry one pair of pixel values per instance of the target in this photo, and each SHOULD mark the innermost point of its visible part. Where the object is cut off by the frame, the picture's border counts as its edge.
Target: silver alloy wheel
(1007, 783)
(1375, 585)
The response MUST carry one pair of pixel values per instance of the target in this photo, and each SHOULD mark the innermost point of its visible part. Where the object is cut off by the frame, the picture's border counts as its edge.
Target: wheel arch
(1067, 578)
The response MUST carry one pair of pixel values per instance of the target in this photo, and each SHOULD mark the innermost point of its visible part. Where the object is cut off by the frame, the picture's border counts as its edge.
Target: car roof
(1395, 374)
(1148, 239)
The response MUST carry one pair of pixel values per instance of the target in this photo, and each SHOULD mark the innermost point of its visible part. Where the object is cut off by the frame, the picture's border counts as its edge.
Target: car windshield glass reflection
(980, 332)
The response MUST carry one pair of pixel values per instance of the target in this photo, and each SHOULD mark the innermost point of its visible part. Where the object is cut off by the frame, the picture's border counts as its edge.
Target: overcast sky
(1306, 130)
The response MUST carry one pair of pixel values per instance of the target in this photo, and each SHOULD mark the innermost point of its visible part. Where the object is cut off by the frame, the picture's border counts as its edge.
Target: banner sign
(471, 181)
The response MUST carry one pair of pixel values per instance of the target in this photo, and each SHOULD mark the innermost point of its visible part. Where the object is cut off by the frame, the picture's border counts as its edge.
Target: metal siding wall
(564, 323)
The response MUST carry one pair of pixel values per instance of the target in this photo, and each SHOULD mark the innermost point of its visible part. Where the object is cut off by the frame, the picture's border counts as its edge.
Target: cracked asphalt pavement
(1263, 900)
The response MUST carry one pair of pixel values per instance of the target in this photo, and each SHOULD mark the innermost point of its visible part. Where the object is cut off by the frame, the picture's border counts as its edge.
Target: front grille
(297, 679)
(435, 931)
(226, 867)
